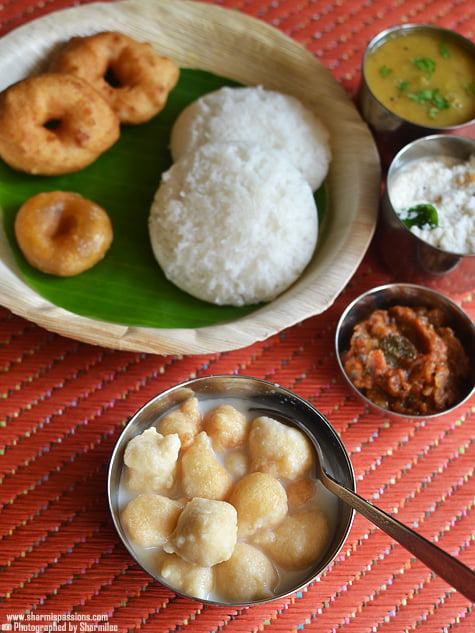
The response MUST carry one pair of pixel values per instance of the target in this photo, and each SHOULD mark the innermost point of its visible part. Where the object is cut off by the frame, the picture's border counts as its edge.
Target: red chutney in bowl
(407, 360)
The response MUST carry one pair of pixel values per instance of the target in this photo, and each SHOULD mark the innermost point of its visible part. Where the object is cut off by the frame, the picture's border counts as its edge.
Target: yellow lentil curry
(407, 360)
(424, 78)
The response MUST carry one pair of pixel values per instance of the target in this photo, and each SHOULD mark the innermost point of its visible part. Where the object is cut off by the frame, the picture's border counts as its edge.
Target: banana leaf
(127, 287)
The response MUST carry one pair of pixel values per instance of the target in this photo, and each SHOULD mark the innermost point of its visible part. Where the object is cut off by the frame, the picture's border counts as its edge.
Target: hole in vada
(61, 233)
(111, 78)
(52, 124)
(65, 225)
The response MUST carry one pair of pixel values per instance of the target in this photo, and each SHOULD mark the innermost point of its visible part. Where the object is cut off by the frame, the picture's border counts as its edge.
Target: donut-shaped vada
(53, 124)
(130, 75)
(62, 233)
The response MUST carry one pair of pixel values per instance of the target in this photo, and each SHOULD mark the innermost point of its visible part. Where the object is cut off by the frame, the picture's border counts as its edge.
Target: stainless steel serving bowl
(266, 398)
(392, 131)
(407, 256)
(383, 297)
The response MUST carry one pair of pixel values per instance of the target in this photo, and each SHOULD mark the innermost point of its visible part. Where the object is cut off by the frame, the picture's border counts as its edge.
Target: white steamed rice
(233, 223)
(260, 116)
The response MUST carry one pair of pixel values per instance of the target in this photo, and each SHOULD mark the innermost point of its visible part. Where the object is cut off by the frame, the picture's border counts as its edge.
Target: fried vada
(53, 124)
(130, 75)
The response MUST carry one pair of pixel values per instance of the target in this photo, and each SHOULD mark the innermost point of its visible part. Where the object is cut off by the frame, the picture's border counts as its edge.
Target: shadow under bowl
(412, 295)
(264, 398)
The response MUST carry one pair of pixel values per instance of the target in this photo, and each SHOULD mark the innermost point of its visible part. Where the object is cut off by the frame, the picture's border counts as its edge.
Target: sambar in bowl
(213, 490)
(417, 79)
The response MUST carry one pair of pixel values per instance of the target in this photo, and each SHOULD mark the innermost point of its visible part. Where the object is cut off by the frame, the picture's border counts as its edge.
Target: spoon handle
(452, 570)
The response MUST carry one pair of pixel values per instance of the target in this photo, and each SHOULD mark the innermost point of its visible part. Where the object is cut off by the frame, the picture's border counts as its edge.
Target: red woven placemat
(64, 403)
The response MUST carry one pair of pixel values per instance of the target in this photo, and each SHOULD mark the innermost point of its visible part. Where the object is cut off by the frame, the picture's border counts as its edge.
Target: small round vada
(130, 75)
(53, 124)
(247, 576)
(260, 501)
(62, 233)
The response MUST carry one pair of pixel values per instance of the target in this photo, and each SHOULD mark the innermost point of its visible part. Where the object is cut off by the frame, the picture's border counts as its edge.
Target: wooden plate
(245, 50)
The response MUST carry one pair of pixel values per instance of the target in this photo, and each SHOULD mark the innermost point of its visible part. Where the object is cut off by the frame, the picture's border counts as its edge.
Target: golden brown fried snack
(202, 474)
(206, 532)
(151, 460)
(280, 450)
(62, 233)
(192, 579)
(298, 541)
(150, 518)
(260, 501)
(248, 575)
(227, 427)
(185, 421)
(130, 75)
(53, 124)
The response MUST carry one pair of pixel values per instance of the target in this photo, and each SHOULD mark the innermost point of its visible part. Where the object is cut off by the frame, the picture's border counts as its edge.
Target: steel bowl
(390, 130)
(406, 255)
(265, 398)
(383, 297)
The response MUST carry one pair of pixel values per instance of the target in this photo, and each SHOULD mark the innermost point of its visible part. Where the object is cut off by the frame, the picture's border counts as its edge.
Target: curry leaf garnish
(397, 348)
(420, 215)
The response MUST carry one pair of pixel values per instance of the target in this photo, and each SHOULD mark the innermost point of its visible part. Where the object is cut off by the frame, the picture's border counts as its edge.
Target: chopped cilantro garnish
(403, 85)
(385, 70)
(424, 64)
(422, 96)
(439, 102)
(443, 50)
(432, 99)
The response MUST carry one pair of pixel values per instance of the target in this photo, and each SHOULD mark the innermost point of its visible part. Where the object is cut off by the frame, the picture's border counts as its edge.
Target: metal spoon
(446, 566)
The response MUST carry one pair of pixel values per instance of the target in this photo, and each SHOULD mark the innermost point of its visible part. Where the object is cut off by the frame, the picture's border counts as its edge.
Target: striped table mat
(64, 403)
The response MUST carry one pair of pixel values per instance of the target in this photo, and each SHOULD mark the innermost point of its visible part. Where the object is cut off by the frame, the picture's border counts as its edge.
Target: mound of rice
(233, 223)
(260, 116)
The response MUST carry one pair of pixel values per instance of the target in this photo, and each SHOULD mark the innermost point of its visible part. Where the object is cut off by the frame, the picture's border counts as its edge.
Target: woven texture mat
(64, 403)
